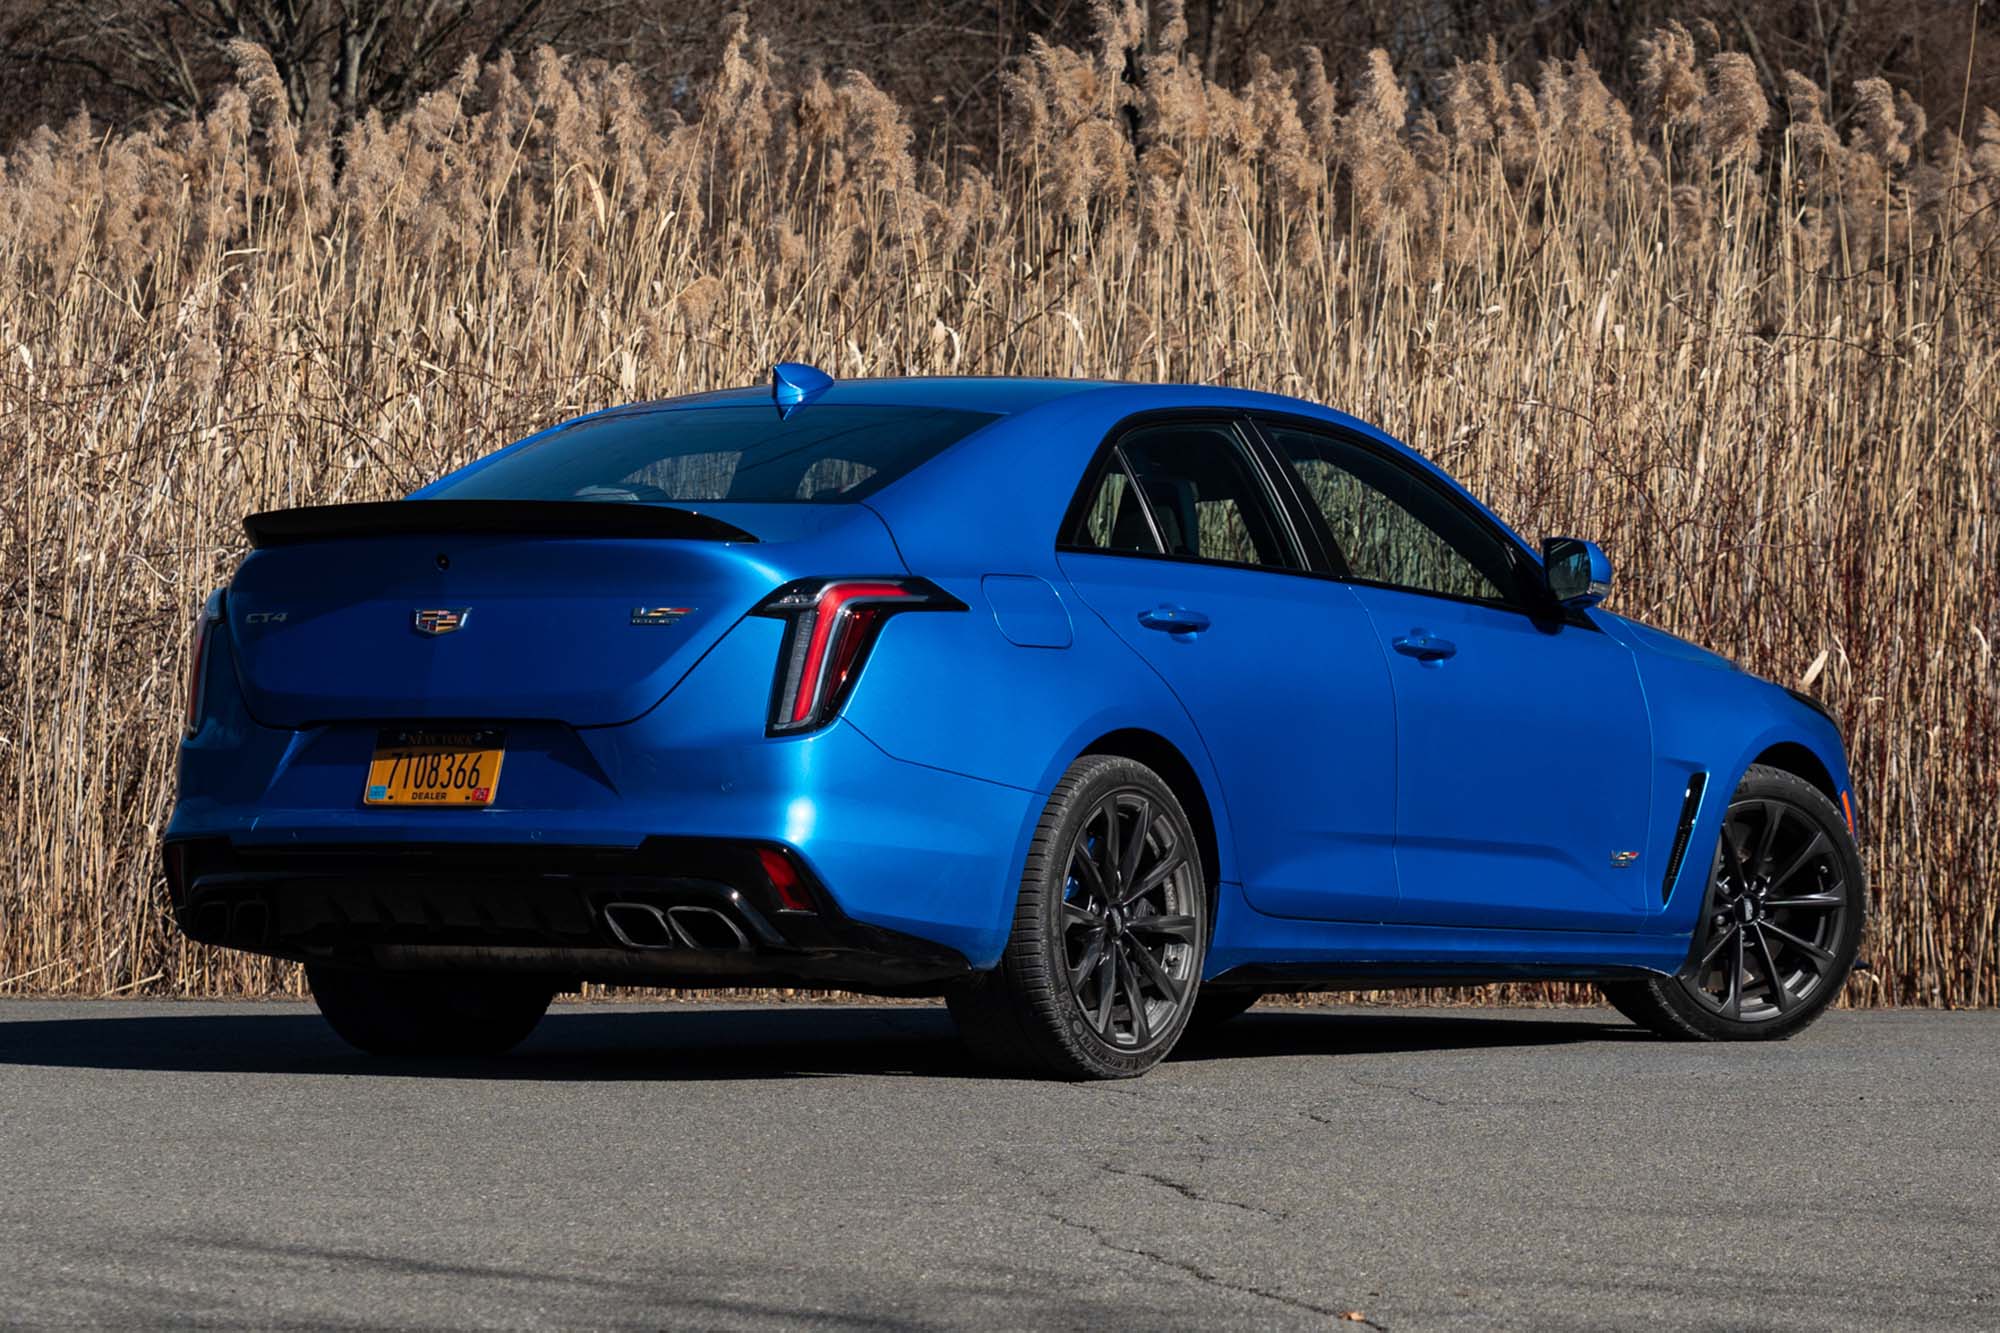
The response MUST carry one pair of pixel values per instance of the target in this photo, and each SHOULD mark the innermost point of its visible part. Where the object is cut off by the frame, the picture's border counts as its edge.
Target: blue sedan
(1099, 709)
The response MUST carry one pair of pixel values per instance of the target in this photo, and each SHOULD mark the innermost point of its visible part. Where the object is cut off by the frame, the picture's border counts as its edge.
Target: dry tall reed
(1754, 357)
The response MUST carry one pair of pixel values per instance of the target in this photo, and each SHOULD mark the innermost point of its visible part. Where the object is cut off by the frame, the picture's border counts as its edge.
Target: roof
(996, 394)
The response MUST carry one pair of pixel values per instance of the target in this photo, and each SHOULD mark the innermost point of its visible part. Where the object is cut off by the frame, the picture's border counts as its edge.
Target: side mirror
(1577, 572)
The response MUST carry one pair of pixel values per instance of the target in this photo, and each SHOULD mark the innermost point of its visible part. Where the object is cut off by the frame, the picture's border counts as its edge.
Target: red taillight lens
(785, 882)
(830, 624)
(204, 630)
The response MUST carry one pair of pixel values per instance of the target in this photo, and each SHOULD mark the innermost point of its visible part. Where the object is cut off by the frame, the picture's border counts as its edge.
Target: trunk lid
(533, 617)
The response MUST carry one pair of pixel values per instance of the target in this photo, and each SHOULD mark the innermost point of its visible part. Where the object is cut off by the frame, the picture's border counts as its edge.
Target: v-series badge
(658, 615)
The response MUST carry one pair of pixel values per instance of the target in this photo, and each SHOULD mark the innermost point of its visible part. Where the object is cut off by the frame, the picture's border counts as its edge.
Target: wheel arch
(1165, 758)
(1794, 758)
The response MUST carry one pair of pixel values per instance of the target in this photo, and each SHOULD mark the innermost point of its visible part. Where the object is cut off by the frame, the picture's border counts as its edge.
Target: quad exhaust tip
(644, 926)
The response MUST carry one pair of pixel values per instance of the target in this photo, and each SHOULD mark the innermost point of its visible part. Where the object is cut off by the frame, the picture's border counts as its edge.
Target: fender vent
(1690, 806)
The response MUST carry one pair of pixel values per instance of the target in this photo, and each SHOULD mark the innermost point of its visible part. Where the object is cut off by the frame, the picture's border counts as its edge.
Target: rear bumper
(669, 912)
(905, 848)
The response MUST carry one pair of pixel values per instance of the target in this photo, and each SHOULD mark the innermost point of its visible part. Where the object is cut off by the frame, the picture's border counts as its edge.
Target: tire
(1072, 997)
(1215, 1007)
(1780, 925)
(426, 1013)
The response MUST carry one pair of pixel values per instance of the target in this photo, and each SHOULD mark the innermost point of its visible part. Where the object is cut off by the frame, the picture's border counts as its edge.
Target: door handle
(1425, 647)
(1174, 619)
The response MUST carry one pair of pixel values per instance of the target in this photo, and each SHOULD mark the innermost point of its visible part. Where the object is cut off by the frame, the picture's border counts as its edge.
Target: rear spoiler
(551, 518)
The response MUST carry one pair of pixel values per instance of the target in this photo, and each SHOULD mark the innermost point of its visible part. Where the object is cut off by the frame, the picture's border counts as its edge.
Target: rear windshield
(820, 454)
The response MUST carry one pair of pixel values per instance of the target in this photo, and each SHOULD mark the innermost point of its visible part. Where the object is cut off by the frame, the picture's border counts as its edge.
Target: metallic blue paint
(1521, 766)
(1291, 696)
(794, 384)
(1393, 778)
(1584, 563)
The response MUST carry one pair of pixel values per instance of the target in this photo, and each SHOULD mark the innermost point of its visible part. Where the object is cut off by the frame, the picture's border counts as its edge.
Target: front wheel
(428, 1013)
(1779, 928)
(1101, 972)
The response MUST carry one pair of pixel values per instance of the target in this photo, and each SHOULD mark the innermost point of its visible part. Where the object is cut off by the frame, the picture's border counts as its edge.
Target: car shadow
(584, 1043)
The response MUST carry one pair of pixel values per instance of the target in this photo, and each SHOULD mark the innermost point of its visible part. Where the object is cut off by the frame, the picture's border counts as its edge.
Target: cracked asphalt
(730, 1166)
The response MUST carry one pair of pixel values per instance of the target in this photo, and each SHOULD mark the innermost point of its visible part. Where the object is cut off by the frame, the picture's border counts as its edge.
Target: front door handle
(1174, 619)
(1425, 647)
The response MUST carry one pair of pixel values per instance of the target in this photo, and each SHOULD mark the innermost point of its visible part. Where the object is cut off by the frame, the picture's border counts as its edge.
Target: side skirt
(1251, 949)
(1278, 977)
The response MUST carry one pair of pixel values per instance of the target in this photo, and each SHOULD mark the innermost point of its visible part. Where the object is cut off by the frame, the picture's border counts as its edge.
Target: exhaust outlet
(640, 926)
(644, 926)
(706, 928)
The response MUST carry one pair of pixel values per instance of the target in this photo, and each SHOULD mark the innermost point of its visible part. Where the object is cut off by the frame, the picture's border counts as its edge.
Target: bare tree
(337, 58)
(340, 58)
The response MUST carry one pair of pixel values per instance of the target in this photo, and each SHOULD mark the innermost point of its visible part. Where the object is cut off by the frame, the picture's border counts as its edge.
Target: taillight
(204, 630)
(830, 624)
(785, 881)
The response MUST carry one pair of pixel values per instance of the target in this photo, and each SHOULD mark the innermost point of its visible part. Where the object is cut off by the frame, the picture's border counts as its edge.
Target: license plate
(434, 768)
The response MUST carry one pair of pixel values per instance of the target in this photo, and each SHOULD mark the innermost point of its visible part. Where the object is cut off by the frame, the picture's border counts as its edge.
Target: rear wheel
(1779, 928)
(429, 1013)
(1100, 975)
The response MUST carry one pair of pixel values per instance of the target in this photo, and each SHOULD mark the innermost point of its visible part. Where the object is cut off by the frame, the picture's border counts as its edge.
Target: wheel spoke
(1734, 855)
(1092, 952)
(1128, 864)
(1721, 942)
(1807, 902)
(1181, 928)
(1154, 972)
(1135, 1000)
(1075, 914)
(1813, 951)
(1086, 870)
(1779, 995)
(1107, 986)
(1815, 847)
(1167, 865)
(1110, 847)
(1736, 980)
(1774, 815)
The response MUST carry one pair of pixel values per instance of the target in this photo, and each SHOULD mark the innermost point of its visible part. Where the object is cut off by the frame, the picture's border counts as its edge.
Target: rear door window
(1190, 490)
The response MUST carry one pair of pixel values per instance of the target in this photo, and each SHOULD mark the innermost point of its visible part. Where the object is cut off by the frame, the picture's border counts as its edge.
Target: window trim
(1256, 450)
(1521, 599)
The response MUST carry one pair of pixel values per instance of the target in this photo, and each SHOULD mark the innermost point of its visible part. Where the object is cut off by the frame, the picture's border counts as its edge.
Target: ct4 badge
(658, 615)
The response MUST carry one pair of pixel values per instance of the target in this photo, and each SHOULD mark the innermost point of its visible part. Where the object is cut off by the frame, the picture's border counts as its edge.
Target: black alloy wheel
(1776, 914)
(1129, 939)
(1780, 922)
(1102, 970)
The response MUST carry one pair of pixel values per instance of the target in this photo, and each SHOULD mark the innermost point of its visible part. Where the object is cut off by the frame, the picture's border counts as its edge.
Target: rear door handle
(1425, 647)
(1174, 619)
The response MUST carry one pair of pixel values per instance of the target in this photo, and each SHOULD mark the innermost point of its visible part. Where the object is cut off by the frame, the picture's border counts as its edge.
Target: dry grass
(1756, 358)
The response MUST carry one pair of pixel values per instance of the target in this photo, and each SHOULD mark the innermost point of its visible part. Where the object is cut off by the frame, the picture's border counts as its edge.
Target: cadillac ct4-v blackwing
(1098, 709)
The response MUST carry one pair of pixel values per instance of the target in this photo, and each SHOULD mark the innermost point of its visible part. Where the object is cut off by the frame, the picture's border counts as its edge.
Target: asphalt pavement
(731, 1166)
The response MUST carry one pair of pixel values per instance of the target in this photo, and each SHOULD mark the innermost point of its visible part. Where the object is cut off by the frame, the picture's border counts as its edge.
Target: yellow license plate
(435, 768)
